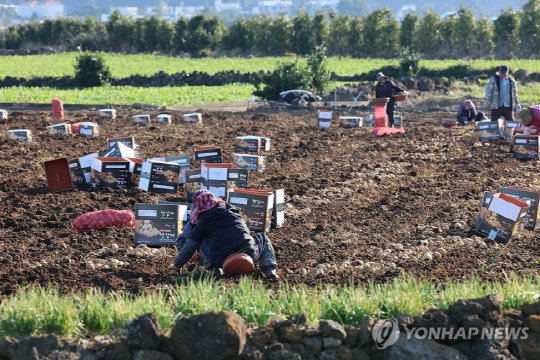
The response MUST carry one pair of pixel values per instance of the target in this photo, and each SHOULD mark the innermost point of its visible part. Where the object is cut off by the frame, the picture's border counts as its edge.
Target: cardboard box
(141, 119)
(325, 118)
(59, 129)
(217, 187)
(530, 197)
(258, 220)
(21, 135)
(193, 118)
(77, 177)
(278, 212)
(118, 149)
(158, 224)
(89, 129)
(129, 141)
(216, 171)
(237, 178)
(135, 167)
(207, 154)
(350, 121)
(85, 163)
(248, 144)
(185, 214)
(58, 175)
(250, 162)
(488, 130)
(370, 120)
(159, 176)
(107, 113)
(525, 146)
(183, 160)
(3, 114)
(164, 119)
(192, 182)
(108, 172)
(501, 217)
(509, 128)
(398, 121)
(252, 198)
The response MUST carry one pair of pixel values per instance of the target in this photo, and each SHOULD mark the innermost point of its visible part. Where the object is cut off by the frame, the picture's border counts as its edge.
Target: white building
(220, 6)
(314, 5)
(50, 9)
(272, 7)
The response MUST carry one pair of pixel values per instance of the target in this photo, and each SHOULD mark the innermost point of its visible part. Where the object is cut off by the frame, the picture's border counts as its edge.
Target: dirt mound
(358, 206)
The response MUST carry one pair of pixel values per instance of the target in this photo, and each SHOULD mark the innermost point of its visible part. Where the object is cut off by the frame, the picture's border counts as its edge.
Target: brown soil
(359, 207)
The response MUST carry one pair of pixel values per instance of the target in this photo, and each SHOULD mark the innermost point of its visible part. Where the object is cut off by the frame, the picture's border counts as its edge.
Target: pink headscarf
(203, 200)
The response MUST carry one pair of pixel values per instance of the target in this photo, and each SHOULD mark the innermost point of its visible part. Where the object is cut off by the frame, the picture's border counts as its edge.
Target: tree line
(514, 33)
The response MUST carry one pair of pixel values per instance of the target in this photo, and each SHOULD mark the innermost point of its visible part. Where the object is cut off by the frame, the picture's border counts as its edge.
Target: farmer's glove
(173, 270)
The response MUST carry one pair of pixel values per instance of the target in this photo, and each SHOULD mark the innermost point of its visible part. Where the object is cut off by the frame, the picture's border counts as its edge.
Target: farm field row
(529, 94)
(58, 65)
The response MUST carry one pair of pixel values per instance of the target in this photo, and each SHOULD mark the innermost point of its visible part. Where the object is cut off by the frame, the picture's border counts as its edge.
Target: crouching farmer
(221, 234)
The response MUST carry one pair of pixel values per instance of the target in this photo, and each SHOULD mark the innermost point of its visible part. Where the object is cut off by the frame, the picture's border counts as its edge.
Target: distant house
(312, 6)
(273, 7)
(220, 6)
(128, 11)
(50, 9)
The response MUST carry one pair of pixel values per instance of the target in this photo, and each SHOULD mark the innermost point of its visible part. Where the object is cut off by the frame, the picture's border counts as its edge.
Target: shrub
(286, 76)
(91, 70)
(409, 62)
(320, 76)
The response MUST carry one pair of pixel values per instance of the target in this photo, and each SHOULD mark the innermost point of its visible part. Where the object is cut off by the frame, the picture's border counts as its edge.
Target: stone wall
(225, 336)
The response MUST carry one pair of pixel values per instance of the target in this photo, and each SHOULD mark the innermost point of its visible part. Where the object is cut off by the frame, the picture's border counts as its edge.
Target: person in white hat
(530, 116)
(385, 88)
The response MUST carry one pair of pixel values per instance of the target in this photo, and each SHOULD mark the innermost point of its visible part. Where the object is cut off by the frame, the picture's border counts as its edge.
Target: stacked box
(129, 141)
(185, 215)
(59, 129)
(89, 129)
(118, 149)
(501, 217)
(192, 184)
(509, 129)
(182, 160)
(255, 163)
(207, 154)
(248, 144)
(22, 135)
(107, 113)
(159, 176)
(530, 197)
(85, 162)
(3, 114)
(158, 224)
(141, 119)
(108, 172)
(164, 119)
(525, 146)
(193, 118)
(350, 121)
(75, 172)
(220, 178)
(257, 205)
(488, 130)
(325, 118)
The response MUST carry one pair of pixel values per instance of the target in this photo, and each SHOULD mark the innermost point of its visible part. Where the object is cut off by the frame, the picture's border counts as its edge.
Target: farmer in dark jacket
(466, 112)
(218, 230)
(385, 88)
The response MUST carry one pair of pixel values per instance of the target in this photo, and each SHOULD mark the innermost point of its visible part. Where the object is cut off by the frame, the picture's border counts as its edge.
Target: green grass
(127, 95)
(58, 65)
(44, 310)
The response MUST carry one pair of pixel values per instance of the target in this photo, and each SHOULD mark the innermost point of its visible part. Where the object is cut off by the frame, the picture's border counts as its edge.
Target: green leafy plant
(409, 62)
(316, 63)
(286, 76)
(91, 70)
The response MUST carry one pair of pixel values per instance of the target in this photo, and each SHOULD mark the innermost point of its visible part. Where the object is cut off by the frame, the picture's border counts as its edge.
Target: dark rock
(530, 309)
(210, 336)
(333, 329)
(117, 351)
(144, 332)
(261, 336)
(150, 355)
(408, 349)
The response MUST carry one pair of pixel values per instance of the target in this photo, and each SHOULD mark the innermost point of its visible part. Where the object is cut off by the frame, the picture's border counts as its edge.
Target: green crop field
(58, 65)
